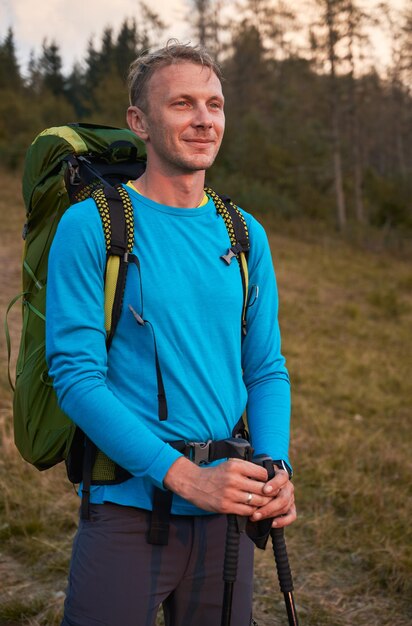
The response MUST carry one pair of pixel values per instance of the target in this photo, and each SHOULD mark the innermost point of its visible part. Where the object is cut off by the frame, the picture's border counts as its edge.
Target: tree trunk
(334, 103)
(340, 196)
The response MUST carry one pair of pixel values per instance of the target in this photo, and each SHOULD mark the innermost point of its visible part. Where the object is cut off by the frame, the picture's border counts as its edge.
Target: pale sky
(71, 23)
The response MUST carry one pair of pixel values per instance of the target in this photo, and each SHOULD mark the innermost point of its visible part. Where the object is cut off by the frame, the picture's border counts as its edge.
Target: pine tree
(127, 47)
(50, 67)
(77, 92)
(10, 77)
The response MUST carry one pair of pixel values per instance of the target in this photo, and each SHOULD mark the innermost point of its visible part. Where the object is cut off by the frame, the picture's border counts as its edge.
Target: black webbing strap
(88, 460)
(158, 533)
(161, 393)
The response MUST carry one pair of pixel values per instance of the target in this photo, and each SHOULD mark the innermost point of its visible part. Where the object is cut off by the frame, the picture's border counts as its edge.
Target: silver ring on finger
(249, 498)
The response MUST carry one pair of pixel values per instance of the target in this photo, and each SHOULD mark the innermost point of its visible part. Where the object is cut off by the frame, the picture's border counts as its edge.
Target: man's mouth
(200, 141)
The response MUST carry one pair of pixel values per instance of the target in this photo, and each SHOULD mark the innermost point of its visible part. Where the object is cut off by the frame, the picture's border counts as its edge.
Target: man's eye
(215, 105)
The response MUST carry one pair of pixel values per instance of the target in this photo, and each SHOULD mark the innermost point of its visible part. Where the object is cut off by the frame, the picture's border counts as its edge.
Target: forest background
(318, 144)
(313, 128)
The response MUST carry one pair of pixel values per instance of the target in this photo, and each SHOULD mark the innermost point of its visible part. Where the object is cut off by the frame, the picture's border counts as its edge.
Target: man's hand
(235, 486)
(282, 501)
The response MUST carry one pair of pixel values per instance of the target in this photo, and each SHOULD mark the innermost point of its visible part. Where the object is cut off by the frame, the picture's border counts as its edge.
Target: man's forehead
(184, 75)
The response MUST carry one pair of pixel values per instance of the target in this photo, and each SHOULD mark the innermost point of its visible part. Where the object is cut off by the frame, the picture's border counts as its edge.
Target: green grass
(346, 317)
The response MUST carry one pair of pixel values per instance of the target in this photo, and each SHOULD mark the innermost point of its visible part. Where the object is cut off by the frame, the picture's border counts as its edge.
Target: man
(182, 310)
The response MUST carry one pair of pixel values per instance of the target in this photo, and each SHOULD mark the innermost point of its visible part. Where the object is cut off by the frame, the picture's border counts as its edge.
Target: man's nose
(203, 117)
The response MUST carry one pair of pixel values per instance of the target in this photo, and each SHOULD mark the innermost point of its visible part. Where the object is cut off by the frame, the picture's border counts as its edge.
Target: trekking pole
(235, 525)
(280, 552)
(284, 573)
(230, 567)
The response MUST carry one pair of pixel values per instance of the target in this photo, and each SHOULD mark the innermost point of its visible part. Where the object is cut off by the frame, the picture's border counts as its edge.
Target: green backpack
(63, 166)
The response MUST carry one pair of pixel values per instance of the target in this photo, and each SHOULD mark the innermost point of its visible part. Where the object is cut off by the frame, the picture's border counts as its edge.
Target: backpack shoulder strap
(116, 213)
(239, 238)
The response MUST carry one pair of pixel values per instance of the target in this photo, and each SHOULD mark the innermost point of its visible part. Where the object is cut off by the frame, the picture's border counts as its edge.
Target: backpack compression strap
(239, 238)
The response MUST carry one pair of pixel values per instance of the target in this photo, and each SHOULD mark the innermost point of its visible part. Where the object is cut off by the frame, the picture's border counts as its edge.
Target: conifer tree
(50, 67)
(9, 68)
(126, 47)
(77, 92)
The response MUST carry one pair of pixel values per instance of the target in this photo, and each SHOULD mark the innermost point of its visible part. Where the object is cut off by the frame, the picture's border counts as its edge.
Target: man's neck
(180, 190)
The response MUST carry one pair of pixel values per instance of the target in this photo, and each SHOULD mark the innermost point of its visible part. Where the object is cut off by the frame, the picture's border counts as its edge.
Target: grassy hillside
(346, 318)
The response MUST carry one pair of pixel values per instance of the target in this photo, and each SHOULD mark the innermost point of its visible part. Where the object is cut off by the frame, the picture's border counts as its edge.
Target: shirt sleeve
(76, 348)
(264, 369)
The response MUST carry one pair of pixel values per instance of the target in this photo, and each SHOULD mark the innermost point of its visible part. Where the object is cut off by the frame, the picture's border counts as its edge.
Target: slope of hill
(346, 316)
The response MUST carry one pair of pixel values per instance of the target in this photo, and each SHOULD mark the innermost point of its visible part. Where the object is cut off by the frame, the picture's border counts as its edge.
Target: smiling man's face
(184, 121)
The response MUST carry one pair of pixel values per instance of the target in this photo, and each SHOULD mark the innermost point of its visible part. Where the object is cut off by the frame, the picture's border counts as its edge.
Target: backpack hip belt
(204, 452)
(201, 453)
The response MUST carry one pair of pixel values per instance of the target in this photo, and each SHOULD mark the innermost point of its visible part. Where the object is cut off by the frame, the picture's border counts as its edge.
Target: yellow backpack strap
(116, 213)
(239, 239)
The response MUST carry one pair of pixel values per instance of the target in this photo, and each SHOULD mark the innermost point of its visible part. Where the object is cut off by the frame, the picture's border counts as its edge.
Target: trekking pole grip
(231, 550)
(282, 561)
(284, 573)
(230, 567)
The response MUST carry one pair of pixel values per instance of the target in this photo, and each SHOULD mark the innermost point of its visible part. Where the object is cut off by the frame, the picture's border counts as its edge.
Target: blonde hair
(143, 68)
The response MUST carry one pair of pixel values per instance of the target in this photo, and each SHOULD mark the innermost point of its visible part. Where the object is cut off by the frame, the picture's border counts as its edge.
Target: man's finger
(285, 520)
(280, 480)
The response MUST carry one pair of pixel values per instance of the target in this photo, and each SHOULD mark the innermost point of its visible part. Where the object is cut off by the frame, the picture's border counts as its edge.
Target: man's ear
(137, 122)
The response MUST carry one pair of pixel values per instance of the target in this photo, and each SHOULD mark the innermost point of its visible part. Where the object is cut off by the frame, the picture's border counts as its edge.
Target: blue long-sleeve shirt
(193, 301)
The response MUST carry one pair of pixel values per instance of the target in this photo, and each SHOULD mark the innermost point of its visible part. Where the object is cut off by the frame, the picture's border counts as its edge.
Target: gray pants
(118, 579)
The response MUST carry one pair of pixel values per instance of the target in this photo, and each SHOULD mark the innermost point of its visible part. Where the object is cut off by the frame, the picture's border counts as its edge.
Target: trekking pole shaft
(284, 573)
(230, 567)
(291, 609)
(227, 604)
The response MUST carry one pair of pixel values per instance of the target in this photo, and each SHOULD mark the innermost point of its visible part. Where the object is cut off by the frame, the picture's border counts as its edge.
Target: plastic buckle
(200, 451)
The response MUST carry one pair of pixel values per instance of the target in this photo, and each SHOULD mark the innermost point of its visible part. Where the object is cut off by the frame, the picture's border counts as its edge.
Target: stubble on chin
(194, 163)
